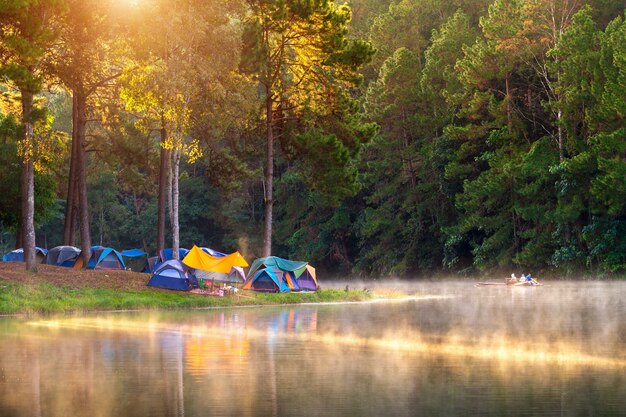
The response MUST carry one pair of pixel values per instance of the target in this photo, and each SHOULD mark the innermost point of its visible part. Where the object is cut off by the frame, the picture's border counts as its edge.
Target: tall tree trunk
(83, 203)
(70, 212)
(170, 177)
(160, 244)
(28, 184)
(269, 177)
(175, 225)
(509, 103)
(559, 118)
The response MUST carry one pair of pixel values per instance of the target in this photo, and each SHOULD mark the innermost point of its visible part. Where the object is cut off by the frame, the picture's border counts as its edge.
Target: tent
(213, 252)
(235, 276)
(171, 275)
(298, 275)
(17, 255)
(105, 258)
(134, 259)
(102, 258)
(166, 254)
(307, 280)
(266, 280)
(62, 256)
(216, 266)
(150, 265)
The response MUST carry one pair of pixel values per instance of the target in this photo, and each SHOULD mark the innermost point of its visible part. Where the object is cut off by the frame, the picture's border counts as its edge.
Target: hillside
(79, 278)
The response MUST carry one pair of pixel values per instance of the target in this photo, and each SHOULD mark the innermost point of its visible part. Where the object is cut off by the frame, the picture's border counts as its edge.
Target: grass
(48, 298)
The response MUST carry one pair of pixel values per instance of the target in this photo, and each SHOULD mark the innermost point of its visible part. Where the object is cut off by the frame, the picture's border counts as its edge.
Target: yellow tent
(198, 259)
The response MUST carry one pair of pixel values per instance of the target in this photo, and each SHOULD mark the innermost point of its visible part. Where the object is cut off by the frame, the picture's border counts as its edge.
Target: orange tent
(198, 259)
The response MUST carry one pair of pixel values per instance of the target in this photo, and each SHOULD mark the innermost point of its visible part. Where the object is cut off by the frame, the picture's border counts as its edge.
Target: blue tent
(171, 275)
(166, 254)
(298, 275)
(266, 280)
(213, 252)
(17, 255)
(105, 258)
(133, 253)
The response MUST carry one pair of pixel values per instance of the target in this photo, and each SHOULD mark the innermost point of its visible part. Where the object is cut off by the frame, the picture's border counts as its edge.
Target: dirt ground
(123, 280)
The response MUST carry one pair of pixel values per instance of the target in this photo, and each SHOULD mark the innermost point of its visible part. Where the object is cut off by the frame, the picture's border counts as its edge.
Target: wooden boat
(527, 284)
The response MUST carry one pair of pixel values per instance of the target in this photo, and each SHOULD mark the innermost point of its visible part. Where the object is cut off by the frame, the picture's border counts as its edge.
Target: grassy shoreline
(45, 298)
(54, 290)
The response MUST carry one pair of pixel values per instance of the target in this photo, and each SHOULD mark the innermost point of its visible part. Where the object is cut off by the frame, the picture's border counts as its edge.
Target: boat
(502, 284)
(527, 284)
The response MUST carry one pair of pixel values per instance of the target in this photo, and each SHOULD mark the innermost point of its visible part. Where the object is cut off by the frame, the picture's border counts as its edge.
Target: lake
(556, 350)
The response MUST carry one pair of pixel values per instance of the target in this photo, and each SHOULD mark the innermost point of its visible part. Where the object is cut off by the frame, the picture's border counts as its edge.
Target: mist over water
(553, 350)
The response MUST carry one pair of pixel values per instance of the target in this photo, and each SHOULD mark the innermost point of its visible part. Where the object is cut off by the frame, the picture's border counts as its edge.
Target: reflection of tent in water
(295, 320)
(102, 258)
(17, 255)
(216, 266)
(62, 256)
(297, 275)
(171, 275)
(233, 351)
(134, 259)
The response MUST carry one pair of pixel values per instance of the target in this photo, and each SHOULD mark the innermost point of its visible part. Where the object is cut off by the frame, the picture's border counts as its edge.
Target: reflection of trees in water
(36, 386)
(170, 350)
(85, 373)
(281, 361)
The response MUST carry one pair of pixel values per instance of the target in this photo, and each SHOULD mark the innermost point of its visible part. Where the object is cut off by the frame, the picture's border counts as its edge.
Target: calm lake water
(557, 350)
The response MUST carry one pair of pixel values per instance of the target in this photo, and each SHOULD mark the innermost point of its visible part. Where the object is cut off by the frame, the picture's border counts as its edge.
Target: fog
(586, 315)
(449, 349)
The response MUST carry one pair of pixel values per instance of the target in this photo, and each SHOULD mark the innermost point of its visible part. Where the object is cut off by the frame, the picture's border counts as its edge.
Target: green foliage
(606, 244)
(9, 172)
(487, 134)
(10, 163)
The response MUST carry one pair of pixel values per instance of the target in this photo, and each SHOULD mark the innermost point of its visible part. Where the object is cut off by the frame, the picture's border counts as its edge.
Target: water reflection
(477, 353)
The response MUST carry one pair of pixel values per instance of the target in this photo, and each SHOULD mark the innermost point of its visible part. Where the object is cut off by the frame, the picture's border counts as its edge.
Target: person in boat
(527, 280)
(511, 281)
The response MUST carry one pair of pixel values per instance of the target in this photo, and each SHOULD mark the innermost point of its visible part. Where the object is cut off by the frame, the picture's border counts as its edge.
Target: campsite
(312, 208)
(59, 290)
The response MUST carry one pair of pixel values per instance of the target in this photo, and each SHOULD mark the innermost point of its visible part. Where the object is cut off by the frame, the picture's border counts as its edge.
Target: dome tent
(62, 256)
(102, 258)
(267, 280)
(17, 255)
(171, 275)
(298, 275)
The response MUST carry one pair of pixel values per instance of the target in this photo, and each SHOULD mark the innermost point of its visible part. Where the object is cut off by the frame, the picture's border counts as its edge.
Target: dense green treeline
(501, 142)
(480, 135)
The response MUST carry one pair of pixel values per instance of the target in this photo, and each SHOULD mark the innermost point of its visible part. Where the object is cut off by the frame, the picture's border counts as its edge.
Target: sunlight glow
(499, 349)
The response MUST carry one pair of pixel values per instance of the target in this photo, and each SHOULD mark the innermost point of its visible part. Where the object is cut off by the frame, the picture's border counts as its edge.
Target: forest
(374, 137)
